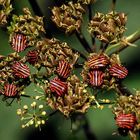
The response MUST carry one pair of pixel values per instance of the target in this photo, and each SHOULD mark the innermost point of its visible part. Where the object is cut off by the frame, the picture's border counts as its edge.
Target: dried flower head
(76, 99)
(86, 2)
(5, 11)
(6, 64)
(68, 17)
(108, 28)
(52, 52)
(102, 71)
(27, 25)
(129, 105)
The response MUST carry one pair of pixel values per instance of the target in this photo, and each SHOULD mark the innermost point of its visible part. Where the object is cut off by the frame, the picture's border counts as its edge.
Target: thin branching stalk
(78, 65)
(81, 54)
(84, 123)
(27, 96)
(38, 12)
(113, 5)
(35, 7)
(87, 130)
(90, 18)
(83, 41)
(123, 90)
(122, 46)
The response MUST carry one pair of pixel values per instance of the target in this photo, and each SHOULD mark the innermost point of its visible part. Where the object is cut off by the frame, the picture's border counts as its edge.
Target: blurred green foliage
(101, 121)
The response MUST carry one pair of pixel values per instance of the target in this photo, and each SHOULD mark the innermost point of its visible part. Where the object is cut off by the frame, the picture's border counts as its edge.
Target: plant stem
(36, 8)
(121, 46)
(83, 41)
(89, 134)
(123, 90)
(85, 125)
(38, 12)
(113, 5)
(81, 54)
(54, 112)
(90, 11)
(78, 65)
(90, 18)
(27, 96)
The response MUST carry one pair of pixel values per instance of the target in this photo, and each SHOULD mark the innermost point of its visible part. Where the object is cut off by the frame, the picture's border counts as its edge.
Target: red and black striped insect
(57, 86)
(32, 57)
(126, 121)
(21, 70)
(63, 69)
(96, 78)
(19, 42)
(118, 71)
(10, 90)
(98, 61)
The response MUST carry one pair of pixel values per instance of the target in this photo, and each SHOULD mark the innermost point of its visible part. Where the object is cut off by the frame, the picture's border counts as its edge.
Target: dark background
(58, 127)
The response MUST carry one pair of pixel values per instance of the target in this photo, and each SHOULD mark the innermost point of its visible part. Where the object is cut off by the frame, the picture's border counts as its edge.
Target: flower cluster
(109, 27)
(51, 52)
(127, 114)
(50, 64)
(74, 96)
(27, 25)
(13, 74)
(68, 17)
(86, 2)
(102, 71)
(33, 115)
(5, 11)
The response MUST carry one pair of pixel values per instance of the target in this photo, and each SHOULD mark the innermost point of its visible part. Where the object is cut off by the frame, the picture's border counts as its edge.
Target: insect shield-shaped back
(118, 71)
(63, 69)
(57, 86)
(126, 121)
(32, 57)
(96, 78)
(21, 70)
(19, 42)
(10, 90)
(97, 61)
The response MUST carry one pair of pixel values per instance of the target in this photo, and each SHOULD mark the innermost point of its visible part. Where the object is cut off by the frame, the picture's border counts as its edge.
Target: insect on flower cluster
(68, 80)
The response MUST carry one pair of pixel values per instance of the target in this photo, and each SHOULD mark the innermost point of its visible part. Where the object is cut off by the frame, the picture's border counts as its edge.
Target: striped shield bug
(19, 42)
(21, 70)
(63, 69)
(96, 78)
(126, 121)
(118, 71)
(10, 90)
(32, 57)
(57, 86)
(97, 61)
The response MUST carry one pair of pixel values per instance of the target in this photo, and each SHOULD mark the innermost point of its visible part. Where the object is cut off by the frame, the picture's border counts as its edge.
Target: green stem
(38, 12)
(121, 46)
(81, 54)
(113, 5)
(121, 89)
(82, 122)
(90, 18)
(83, 41)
